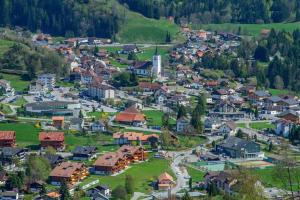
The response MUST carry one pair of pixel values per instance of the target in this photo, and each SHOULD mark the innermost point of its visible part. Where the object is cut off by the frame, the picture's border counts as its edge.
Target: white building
(48, 80)
(156, 63)
(101, 91)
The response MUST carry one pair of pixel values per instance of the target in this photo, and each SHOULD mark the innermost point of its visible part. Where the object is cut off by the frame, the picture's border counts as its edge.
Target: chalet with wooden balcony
(71, 172)
(7, 138)
(110, 163)
(133, 154)
(52, 139)
(115, 162)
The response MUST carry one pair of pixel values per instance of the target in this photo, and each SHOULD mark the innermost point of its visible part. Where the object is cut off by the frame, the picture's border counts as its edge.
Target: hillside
(249, 29)
(140, 29)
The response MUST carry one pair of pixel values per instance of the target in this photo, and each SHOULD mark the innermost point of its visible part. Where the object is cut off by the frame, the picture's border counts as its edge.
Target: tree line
(62, 17)
(219, 11)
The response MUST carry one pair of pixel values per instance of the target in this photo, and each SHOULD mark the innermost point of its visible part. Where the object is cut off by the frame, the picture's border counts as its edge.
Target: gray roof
(261, 93)
(84, 150)
(275, 98)
(11, 151)
(234, 143)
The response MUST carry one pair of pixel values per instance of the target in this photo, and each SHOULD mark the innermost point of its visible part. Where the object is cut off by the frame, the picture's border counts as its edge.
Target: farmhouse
(130, 138)
(131, 116)
(7, 138)
(52, 139)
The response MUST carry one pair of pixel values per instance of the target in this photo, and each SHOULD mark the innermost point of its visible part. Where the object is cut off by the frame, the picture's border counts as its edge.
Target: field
(4, 46)
(249, 29)
(278, 92)
(261, 125)
(196, 175)
(140, 29)
(143, 173)
(16, 81)
(27, 136)
(154, 117)
(26, 133)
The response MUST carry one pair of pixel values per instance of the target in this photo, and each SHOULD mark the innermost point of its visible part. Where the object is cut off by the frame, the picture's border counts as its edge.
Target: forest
(219, 11)
(62, 17)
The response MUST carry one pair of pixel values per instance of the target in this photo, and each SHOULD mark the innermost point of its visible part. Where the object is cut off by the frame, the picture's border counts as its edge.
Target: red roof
(51, 136)
(131, 114)
(7, 135)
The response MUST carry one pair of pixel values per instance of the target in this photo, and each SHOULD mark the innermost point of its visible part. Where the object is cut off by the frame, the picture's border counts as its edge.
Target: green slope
(140, 29)
(249, 29)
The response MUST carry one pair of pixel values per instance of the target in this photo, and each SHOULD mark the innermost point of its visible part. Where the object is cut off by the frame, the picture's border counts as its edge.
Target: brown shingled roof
(66, 169)
(51, 136)
(7, 135)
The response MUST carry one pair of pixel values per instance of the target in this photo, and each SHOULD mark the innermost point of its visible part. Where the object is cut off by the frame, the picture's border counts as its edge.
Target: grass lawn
(19, 102)
(142, 173)
(266, 176)
(149, 52)
(27, 136)
(186, 142)
(26, 133)
(5, 109)
(138, 28)
(4, 46)
(154, 117)
(241, 125)
(16, 81)
(277, 92)
(102, 141)
(250, 29)
(261, 125)
(196, 175)
(99, 115)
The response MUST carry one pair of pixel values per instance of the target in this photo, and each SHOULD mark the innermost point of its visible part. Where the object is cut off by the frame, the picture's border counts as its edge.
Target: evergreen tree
(165, 120)
(181, 112)
(132, 56)
(129, 184)
(64, 191)
(168, 37)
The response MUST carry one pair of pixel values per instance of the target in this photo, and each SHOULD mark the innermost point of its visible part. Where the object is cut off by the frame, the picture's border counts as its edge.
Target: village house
(283, 127)
(149, 87)
(131, 116)
(98, 125)
(114, 162)
(100, 91)
(58, 122)
(76, 123)
(211, 124)
(52, 139)
(37, 88)
(142, 68)
(290, 115)
(131, 138)
(258, 97)
(224, 181)
(48, 80)
(6, 88)
(182, 124)
(226, 110)
(227, 128)
(54, 159)
(10, 154)
(165, 181)
(84, 152)
(99, 192)
(220, 94)
(7, 138)
(71, 172)
(235, 147)
(130, 48)
(110, 163)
